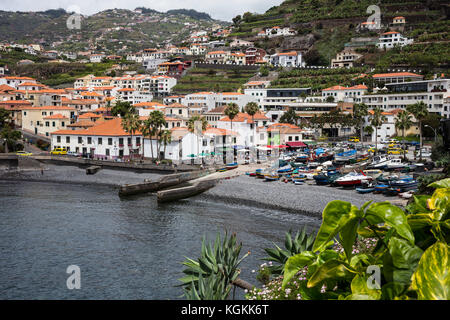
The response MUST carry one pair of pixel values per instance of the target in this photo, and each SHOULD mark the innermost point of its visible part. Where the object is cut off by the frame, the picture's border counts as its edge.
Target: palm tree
(376, 120)
(420, 111)
(131, 123)
(232, 111)
(165, 138)
(148, 130)
(403, 122)
(360, 111)
(158, 121)
(195, 119)
(251, 109)
(191, 126)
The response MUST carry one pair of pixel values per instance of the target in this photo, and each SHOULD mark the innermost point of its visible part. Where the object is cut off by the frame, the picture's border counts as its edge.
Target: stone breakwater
(305, 199)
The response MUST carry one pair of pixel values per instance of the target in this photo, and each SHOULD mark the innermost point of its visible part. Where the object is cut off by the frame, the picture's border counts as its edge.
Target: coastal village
(244, 113)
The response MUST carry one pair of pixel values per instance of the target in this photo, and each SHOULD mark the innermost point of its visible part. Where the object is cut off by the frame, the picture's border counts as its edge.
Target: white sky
(217, 9)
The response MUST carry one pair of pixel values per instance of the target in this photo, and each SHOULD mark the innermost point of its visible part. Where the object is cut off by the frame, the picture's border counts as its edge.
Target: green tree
(10, 137)
(122, 108)
(131, 124)
(251, 109)
(231, 112)
(403, 122)
(194, 119)
(360, 112)
(158, 121)
(5, 117)
(330, 99)
(420, 111)
(290, 117)
(376, 120)
(148, 130)
(165, 139)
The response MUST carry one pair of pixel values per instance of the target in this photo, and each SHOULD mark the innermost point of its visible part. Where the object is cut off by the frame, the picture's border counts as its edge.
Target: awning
(277, 147)
(296, 144)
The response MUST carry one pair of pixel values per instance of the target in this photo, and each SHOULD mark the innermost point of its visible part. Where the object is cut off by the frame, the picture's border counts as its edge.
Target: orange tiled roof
(89, 115)
(56, 116)
(107, 128)
(396, 74)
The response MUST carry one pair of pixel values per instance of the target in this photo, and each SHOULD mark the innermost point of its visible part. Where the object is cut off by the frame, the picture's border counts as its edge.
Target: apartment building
(390, 39)
(47, 119)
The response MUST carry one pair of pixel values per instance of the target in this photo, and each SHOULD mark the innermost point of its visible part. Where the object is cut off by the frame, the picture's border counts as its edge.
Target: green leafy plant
(215, 270)
(411, 250)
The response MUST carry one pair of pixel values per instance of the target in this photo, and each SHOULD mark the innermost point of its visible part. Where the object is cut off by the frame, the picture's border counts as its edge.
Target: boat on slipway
(353, 179)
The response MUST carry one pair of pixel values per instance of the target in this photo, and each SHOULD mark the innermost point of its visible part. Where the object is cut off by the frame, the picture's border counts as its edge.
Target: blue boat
(231, 166)
(365, 189)
(381, 187)
(286, 169)
(272, 177)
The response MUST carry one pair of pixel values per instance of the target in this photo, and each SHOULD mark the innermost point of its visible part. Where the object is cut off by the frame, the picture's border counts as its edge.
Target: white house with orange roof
(46, 119)
(219, 56)
(133, 96)
(396, 77)
(388, 129)
(97, 57)
(16, 81)
(145, 108)
(287, 59)
(106, 140)
(245, 126)
(277, 32)
(31, 86)
(347, 94)
(238, 58)
(82, 105)
(391, 39)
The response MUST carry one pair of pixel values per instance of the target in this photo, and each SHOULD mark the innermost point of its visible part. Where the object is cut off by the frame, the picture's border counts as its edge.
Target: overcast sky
(218, 9)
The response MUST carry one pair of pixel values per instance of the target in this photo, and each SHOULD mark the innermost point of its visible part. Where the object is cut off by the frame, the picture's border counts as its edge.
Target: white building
(391, 39)
(96, 58)
(210, 100)
(277, 32)
(400, 95)
(107, 140)
(287, 59)
(347, 94)
(152, 64)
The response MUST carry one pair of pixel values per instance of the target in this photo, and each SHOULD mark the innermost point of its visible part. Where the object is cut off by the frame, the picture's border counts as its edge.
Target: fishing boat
(374, 173)
(379, 162)
(395, 164)
(353, 179)
(231, 166)
(391, 191)
(405, 185)
(271, 177)
(366, 189)
(321, 179)
(221, 169)
(285, 169)
(379, 188)
(345, 156)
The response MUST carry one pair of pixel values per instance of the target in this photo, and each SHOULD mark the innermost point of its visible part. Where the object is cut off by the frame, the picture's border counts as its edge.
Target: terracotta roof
(82, 124)
(24, 84)
(89, 115)
(291, 53)
(391, 32)
(56, 116)
(148, 105)
(5, 87)
(51, 108)
(17, 102)
(396, 74)
(107, 128)
(241, 117)
(357, 87)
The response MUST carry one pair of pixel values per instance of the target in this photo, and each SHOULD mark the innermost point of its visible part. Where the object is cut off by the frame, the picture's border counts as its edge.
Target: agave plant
(220, 263)
(301, 242)
(210, 288)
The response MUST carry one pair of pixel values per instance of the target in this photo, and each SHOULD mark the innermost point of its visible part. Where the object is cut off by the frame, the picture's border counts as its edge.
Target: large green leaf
(392, 290)
(332, 269)
(347, 236)
(394, 217)
(405, 258)
(420, 204)
(440, 203)
(361, 291)
(295, 263)
(420, 220)
(334, 217)
(432, 277)
(445, 183)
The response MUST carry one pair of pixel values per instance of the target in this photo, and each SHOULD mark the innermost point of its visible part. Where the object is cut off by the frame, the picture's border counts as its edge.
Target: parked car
(395, 151)
(72, 153)
(24, 153)
(353, 139)
(59, 151)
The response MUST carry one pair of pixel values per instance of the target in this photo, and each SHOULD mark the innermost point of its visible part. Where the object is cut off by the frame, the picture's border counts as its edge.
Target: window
(107, 152)
(53, 124)
(138, 141)
(58, 139)
(63, 124)
(100, 141)
(89, 140)
(80, 140)
(67, 139)
(47, 123)
(110, 141)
